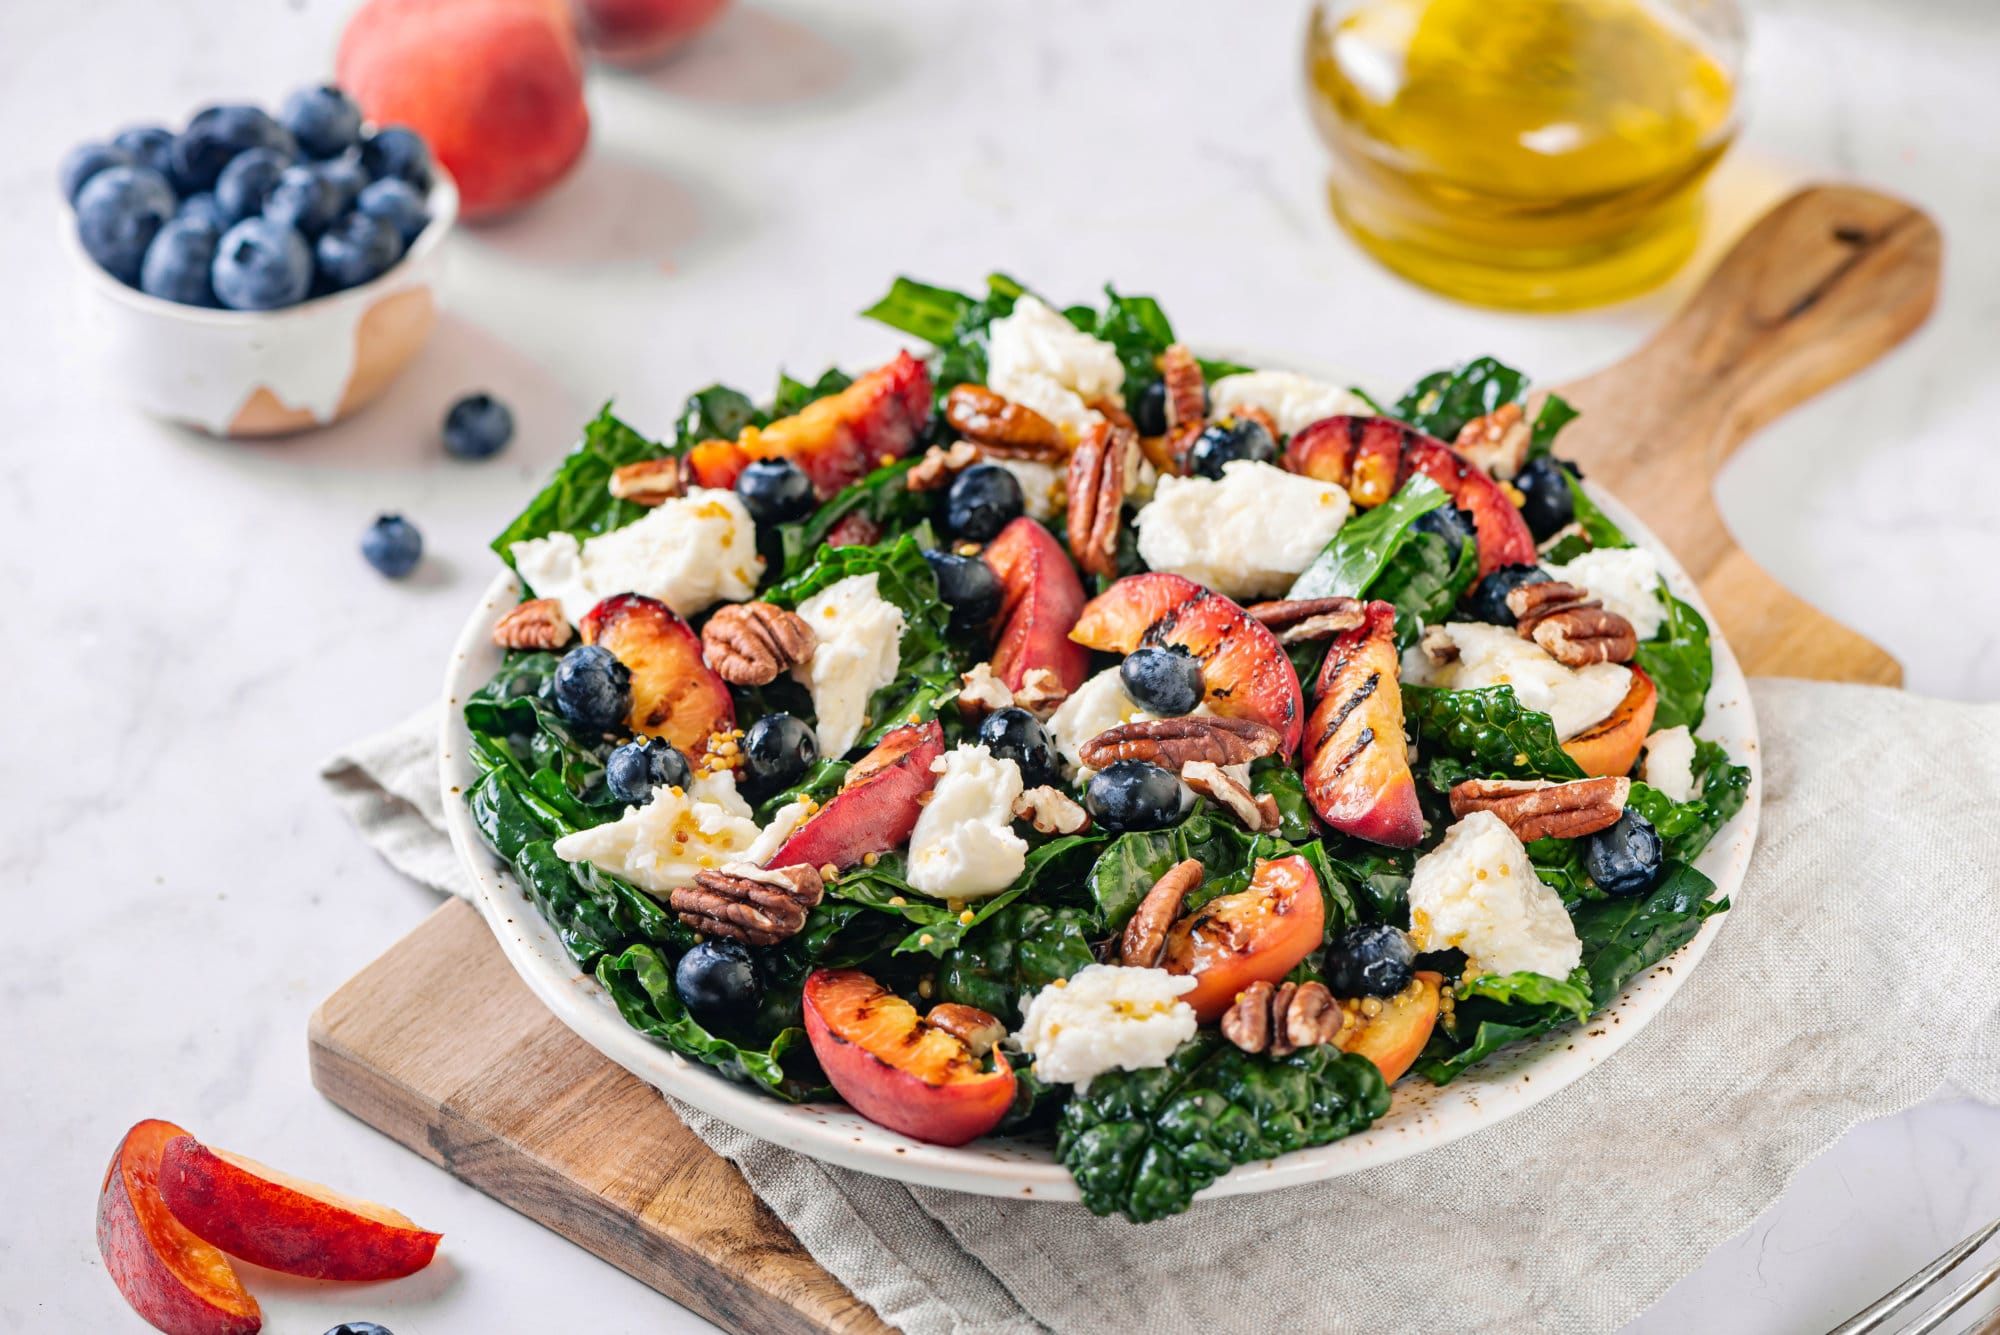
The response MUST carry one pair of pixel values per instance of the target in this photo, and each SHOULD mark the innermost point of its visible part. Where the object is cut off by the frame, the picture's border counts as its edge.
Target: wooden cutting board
(439, 1045)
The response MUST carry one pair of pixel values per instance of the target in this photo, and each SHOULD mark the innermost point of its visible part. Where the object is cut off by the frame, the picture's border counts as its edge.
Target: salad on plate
(1061, 734)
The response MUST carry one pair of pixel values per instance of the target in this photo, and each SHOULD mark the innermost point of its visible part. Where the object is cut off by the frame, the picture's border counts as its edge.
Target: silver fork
(1876, 1314)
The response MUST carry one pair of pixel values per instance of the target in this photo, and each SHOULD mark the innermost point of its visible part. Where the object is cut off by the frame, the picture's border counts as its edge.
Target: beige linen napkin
(1857, 971)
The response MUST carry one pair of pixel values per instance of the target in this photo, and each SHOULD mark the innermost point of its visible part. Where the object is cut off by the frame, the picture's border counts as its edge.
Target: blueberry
(397, 203)
(345, 174)
(593, 689)
(260, 266)
(635, 769)
(1546, 500)
(477, 427)
(179, 262)
(984, 499)
(87, 160)
(150, 146)
(967, 585)
(303, 200)
(360, 1328)
(357, 249)
(1488, 601)
(1227, 441)
(393, 545)
(217, 134)
(778, 750)
(1626, 857)
(1450, 523)
(203, 207)
(1136, 795)
(397, 150)
(245, 183)
(775, 491)
(1372, 960)
(1165, 680)
(718, 982)
(324, 120)
(1151, 414)
(1017, 735)
(118, 213)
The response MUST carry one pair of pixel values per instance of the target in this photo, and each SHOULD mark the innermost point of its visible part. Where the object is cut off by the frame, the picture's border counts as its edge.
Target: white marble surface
(198, 630)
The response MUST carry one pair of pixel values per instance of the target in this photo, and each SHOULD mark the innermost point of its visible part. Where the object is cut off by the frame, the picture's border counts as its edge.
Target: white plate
(1422, 1116)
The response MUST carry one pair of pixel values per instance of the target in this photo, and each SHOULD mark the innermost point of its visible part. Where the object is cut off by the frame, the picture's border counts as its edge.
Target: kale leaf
(952, 322)
(1680, 662)
(1365, 544)
(578, 498)
(1485, 733)
(1020, 949)
(1444, 401)
(641, 982)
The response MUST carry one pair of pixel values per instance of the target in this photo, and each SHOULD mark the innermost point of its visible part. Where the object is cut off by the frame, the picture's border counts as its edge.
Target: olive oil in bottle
(1534, 154)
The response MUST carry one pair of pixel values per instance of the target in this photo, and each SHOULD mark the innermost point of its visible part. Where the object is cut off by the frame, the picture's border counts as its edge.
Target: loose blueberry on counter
(775, 491)
(1488, 600)
(303, 200)
(967, 585)
(593, 689)
(179, 262)
(1371, 960)
(360, 1328)
(778, 751)
(246, 182)
(1150, 416)
(217, 134)
(87, 160)
(1136, 795)
(346, 175)
(260, 266)
(324, 120)
(984, 499)
(397, 203)
(718, 982)
(1227, 441)
(150, 146)
(1546, 502)
(202, 207)
(118, 213)
(1626, 857)
(356, 249)
(635, 770)
(1017, 735)
(1450, 523)
(397, 150)
(477, 427)
(1163, 679)
(393, 546)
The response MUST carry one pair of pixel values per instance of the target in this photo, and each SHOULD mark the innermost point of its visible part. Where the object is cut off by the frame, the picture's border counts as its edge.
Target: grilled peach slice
(674, 694)
(171, 1277)
(1611, 747)
(843, 437)
(897, 1069)
(283, 1223)
(1041, 597)
(1373, 456)
(877, 805)
(717, 463)
(1245, 670)
(1256, 935)
(1357, 763)
(1394, 1038)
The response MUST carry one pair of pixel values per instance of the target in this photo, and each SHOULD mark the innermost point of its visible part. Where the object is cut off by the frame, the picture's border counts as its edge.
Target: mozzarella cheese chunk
(1573, 698)
(1477, 892)
(1295, 401)
(857, 655)
(663, 844)
(1625, 579)
(964, 845)
(1669, 764)
(690, 553)
(1037, 358)
(1105, 1018)
(1099, 705)
(1042, 486)
(1247, 536)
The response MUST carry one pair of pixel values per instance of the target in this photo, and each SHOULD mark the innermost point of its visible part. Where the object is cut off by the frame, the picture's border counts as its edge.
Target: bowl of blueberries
(256, 274)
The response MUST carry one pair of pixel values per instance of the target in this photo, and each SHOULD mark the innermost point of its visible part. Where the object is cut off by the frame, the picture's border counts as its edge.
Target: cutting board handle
(1818, 288)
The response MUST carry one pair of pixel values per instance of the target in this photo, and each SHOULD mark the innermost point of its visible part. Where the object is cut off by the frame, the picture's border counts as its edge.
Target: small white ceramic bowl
(264, 373)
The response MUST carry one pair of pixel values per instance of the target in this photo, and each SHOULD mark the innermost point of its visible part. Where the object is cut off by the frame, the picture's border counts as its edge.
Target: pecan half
(1174, 743)
(1497, 442)
(971, 1026)
(1255, 812)
(1050, 811)
(1247, 1022)
(1145, 935)
(1574, 628)
(1534, 809)
(983, 693)
(535, 624)
(854, 529)
(749, 644)
(1041, 691)
(1438, 646)
(940, 465)
(976, 412)
(650, 481)
(1283, 1018)
(1294, 620)
(759, 906)
(1187, 392)
(1531, 602)
(1099, 468)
